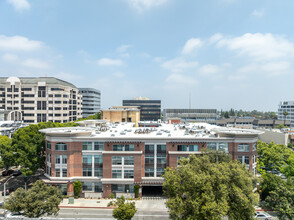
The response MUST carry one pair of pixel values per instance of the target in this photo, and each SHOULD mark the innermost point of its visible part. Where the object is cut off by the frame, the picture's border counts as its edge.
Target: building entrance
(152, 191)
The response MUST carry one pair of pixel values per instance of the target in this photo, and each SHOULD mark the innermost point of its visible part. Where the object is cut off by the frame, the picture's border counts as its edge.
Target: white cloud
(191, 45)
(123, 48)
(35, 63)
(19, 43)
(119, 74)
(180, 79)
(142, 5)
(179, 65)
(216, 37)
(10, 57)
(258, 13)
(20, 5)
(109, 62)
(259, 46)
(210, 70)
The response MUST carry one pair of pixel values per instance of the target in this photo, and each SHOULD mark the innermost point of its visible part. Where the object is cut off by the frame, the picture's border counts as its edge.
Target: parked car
(7, 172)
(16, 173)
(262, 216)
(15, 215)
(8, 191)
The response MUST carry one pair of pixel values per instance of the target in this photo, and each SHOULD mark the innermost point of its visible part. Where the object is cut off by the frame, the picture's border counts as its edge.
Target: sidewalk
(142, 205)
(86, 203)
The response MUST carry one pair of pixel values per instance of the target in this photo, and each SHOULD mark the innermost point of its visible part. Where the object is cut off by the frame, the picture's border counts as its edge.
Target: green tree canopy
(273, 156)
(6, 151)
(28, 144)
(209, 187)
(124, 211)
(37, 201)
(278, 194)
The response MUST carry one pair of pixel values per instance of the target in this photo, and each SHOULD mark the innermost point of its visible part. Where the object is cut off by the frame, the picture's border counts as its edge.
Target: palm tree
(285, 116)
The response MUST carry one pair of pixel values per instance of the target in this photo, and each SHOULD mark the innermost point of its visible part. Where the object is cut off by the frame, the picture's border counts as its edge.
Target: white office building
(286, 106)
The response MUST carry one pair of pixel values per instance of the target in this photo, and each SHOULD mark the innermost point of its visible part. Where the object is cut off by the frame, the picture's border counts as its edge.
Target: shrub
(77, 188)
(136, 190)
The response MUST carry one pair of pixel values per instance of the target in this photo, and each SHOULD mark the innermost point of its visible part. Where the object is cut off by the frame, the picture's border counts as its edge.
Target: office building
(286, 106)
(113, 157)
(191, 115)
(40, 99)
(251, 123)
(91, 101)
(122, 114)
(150, 109)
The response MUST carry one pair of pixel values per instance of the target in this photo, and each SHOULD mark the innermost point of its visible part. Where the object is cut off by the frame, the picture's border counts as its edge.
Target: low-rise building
(122, 114)
(113, 157)
(191, 115)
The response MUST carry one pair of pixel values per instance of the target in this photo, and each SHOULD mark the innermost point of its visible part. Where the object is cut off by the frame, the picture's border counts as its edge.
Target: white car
(14, 215)
(262, 215)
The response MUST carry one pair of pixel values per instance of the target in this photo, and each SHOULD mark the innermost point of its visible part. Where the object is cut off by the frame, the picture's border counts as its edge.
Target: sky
(222, 53)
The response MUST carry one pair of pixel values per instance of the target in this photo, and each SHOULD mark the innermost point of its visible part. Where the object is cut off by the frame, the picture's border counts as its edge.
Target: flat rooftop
(167, 131)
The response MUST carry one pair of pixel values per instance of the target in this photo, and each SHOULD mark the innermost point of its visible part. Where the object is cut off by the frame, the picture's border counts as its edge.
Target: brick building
(112, 158)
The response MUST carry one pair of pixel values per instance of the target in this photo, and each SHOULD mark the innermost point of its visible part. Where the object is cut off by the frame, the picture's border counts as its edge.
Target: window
(117, 188)
(57, 172)
(244, 160)
(87, 145)
(129, 174)
(116, 174)
(87, 186)
(49, 158)
(129, 188)
(129, 160)
(64, 159)
(98, 172)
(48, 145)
(129, 147)
(254, 147)
(149, 149)
(116, 160)
(149, 172)
(57, 159)
(87, 171)
(159, 172)
(117, 147)
(64, 172)
(87, 159)
(60, 147)
(98, 145)
(223, 147)
(193, 147)
(98, 187)
(188, 148)
(161, 148)
(243, 147)
(182, 147)
(211, 146)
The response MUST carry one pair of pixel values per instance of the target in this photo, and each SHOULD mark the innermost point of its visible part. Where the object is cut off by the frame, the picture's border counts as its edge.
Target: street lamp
(127, 196)
(5, 188)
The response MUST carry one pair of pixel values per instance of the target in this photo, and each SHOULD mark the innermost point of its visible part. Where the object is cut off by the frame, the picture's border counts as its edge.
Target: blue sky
(225, 53)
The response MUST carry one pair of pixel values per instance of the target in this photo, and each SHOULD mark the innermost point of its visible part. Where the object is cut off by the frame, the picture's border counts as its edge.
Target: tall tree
(28, 145)
(272, 156)
(37, 201)
(278, 195)
(7, 155)
(209, 187)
